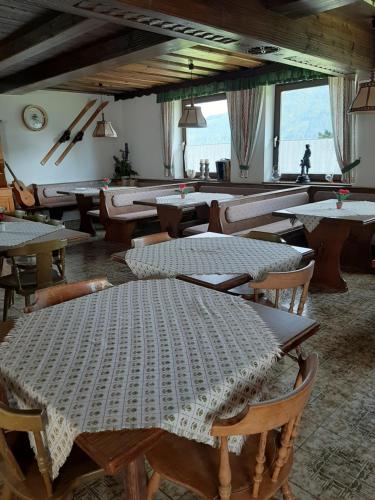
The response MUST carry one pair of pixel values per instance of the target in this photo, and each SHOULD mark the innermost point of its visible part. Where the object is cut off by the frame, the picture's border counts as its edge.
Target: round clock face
(34, 117)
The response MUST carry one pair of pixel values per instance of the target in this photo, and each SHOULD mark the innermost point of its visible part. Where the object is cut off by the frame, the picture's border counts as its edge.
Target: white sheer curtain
(342, 92)
(245, 112)
(167, 129)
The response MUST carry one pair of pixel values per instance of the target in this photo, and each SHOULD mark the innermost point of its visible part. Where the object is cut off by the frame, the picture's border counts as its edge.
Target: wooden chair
(150, 239)
(290, 280)
(266, 459)
(264, 236)
(62, 293)
(23, 476)
(42, 275)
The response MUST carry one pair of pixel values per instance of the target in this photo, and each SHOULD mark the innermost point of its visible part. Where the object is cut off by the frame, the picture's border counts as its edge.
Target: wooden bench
(120, 216)
(47, 196)
(254, 212)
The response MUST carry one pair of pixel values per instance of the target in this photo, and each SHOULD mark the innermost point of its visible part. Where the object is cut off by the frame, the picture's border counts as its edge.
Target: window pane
(213, 142)
(305, 118)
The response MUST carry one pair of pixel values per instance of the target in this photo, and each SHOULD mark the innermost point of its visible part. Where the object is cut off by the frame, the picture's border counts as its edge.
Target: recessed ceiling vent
(263, 50)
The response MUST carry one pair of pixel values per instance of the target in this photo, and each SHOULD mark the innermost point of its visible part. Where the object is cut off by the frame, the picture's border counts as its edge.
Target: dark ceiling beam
(325, 43)
(301, 8)
(44, 34)
(219, 77)
(127, 48)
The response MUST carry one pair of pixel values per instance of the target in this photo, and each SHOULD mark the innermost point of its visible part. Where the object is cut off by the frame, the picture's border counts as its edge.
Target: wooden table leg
(85, 203)
(327, 241)
(170, 218)
(356, 255)
(135, 480)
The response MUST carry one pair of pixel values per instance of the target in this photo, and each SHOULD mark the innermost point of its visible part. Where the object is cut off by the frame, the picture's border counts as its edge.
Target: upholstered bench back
(47, 194)
(232, 190)
(254, 210)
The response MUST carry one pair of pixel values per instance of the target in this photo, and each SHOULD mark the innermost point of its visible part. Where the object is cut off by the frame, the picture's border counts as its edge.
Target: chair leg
(153, 485)
(27, 300)
(287, 492)
(7, 301)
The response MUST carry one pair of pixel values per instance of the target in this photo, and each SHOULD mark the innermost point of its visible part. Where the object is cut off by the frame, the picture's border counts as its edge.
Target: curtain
(217, 86)
(342, 92)
(245, 113)
(167, 129)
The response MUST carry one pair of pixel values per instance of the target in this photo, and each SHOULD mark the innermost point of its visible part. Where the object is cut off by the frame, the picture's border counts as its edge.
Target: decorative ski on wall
(79, 136)
(67, 133)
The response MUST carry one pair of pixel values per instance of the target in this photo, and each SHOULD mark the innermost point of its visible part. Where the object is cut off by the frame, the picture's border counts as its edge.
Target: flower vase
(2, 226)
(339, 204)
(183, 196)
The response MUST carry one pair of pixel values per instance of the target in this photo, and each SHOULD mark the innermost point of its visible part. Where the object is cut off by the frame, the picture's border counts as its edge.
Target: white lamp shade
(192, 117)
(104, 129)
(365, 98)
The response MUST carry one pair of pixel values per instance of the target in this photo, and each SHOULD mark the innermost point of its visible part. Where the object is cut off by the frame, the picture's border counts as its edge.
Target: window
(214, 141)
(303, 116)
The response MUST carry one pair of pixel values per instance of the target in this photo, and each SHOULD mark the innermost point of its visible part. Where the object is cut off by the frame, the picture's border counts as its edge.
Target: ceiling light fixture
(104, 128)
(192, 116)
(365, 98)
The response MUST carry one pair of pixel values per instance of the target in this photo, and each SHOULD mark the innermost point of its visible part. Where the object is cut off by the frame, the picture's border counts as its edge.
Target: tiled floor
(335, 452)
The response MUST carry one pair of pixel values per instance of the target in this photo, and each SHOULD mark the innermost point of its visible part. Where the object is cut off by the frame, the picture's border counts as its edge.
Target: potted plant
(341, 195)
(123, 168)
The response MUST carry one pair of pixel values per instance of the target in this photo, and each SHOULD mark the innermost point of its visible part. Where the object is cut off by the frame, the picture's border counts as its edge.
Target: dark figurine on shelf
(305, 166)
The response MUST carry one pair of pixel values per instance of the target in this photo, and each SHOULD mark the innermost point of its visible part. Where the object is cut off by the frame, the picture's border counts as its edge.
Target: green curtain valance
(215, 87)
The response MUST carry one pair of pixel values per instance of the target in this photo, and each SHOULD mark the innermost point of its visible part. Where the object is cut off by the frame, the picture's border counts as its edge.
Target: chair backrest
(284, 412)
(44, 259)
(62, 293)
(264, 236)
(150, 239)
(32, 421)
(287, 280)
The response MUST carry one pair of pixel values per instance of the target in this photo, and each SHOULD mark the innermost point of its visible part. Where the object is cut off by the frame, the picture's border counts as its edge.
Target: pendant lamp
(365, 98)
(192, 116)
(104, 128)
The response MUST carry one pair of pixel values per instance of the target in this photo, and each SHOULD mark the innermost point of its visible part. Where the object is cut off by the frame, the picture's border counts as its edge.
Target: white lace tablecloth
(158, 353)
(312, 213)
(193, 198)
(211, 256)
(16, 233)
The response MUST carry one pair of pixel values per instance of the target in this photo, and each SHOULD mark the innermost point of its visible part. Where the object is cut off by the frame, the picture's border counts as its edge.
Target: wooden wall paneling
(302, 8)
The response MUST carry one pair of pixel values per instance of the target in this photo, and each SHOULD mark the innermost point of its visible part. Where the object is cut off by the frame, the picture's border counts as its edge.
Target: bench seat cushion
(139, 214)
(280, 227)
(94, 213)
(199, 229)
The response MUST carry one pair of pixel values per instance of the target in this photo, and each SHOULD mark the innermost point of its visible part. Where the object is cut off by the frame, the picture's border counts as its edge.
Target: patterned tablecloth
(211, 256)
(312, 213)
(157, 353)
(16, 233)
(193, 198)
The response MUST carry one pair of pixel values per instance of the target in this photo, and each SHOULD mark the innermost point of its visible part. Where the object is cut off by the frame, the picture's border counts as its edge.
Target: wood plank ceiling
(131, 46)
(168, 68)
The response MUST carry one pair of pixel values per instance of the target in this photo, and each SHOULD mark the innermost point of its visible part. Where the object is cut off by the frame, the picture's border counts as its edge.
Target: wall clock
(34, 118)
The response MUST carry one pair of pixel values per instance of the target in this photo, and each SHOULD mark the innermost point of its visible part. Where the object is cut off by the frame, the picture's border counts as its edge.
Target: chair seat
(196, 466)
(78, 469)
(28, 279)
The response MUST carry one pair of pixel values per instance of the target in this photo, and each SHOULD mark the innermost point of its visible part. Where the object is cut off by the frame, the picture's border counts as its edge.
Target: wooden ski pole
(79, 136)
(66, 134)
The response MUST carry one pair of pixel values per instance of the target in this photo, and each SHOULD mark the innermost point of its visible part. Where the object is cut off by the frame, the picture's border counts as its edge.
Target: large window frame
(198, 100)
(279, 89)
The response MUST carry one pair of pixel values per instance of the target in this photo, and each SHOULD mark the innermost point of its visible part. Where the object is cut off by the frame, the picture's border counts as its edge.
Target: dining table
(18, 232)
(116, 369)
(340, 237)
(172, 208)
(219, 266)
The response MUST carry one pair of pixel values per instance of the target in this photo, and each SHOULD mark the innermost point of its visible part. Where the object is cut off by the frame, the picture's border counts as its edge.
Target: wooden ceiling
(168, 68)
(137, 45)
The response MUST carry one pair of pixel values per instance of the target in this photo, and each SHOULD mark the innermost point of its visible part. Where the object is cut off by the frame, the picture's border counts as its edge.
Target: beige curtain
(167, 129)
(245, 112)
(342, 92)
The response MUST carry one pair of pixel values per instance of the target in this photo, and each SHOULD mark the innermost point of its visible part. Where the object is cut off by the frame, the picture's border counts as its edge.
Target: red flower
(181, 186)
(106, 179)
(344, 191)
(1, 216)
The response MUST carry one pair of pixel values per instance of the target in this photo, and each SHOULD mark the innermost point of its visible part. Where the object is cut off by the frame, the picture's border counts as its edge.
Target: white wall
(23, 149)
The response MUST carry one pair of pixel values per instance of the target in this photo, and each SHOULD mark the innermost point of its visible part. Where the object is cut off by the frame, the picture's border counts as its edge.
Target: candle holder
(201, 169)
(207, 170)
